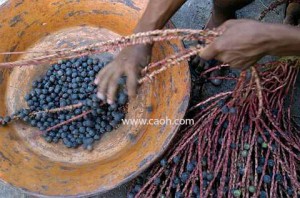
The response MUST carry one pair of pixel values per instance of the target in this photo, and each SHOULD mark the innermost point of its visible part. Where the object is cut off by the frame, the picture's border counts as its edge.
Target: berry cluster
(237, 147)
(68, 83)
(180, 180)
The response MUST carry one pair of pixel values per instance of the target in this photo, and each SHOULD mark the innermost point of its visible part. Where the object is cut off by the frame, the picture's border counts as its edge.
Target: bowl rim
(155, 156)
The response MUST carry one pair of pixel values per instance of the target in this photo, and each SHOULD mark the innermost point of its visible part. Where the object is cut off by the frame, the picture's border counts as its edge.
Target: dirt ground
(193, 14)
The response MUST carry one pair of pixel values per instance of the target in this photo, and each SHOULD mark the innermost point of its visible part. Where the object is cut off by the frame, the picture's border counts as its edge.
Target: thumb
(209, 52)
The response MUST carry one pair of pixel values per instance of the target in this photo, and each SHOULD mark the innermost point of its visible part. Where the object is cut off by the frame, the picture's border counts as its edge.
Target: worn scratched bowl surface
(46, 169)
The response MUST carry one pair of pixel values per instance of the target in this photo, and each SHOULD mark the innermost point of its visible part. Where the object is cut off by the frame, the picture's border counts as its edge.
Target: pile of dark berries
(67, 83)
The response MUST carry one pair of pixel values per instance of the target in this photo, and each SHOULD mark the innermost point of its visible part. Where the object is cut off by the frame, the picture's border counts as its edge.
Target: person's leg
(224, 10)
(292, 14)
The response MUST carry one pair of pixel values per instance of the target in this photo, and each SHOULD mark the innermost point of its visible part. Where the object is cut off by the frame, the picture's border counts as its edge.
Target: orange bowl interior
(40, 168)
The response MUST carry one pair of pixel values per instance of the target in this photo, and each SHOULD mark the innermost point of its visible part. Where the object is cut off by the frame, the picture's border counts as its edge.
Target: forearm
(285, 40)
(157, 13)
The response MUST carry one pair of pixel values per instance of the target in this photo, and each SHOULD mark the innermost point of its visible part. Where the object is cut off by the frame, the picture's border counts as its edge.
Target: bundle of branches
(242, 143)
(153, 69)
(205, 36)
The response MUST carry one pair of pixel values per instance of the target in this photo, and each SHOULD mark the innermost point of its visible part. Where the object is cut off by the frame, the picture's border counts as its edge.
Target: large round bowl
(39, 168)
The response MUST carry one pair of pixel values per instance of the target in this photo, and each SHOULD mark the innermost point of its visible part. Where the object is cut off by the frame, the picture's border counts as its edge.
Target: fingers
(102, 80)
(219, 44)
(132, 82)
(100, 75)
(243, 64)
(113, 87)
(195, 61)
(213, 49)
(210, 51)
(107, 81)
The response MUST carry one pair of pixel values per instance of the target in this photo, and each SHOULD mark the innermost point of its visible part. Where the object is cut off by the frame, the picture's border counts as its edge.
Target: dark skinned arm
(131, 59)
(244, 42)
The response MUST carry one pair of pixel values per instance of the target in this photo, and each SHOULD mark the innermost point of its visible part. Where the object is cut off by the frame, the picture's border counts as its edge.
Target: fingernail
(109, 101)
(96, 81)
(100, 96)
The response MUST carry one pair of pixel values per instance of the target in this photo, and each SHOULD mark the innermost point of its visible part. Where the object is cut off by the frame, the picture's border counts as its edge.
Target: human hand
(241, 45)
(129, 62)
